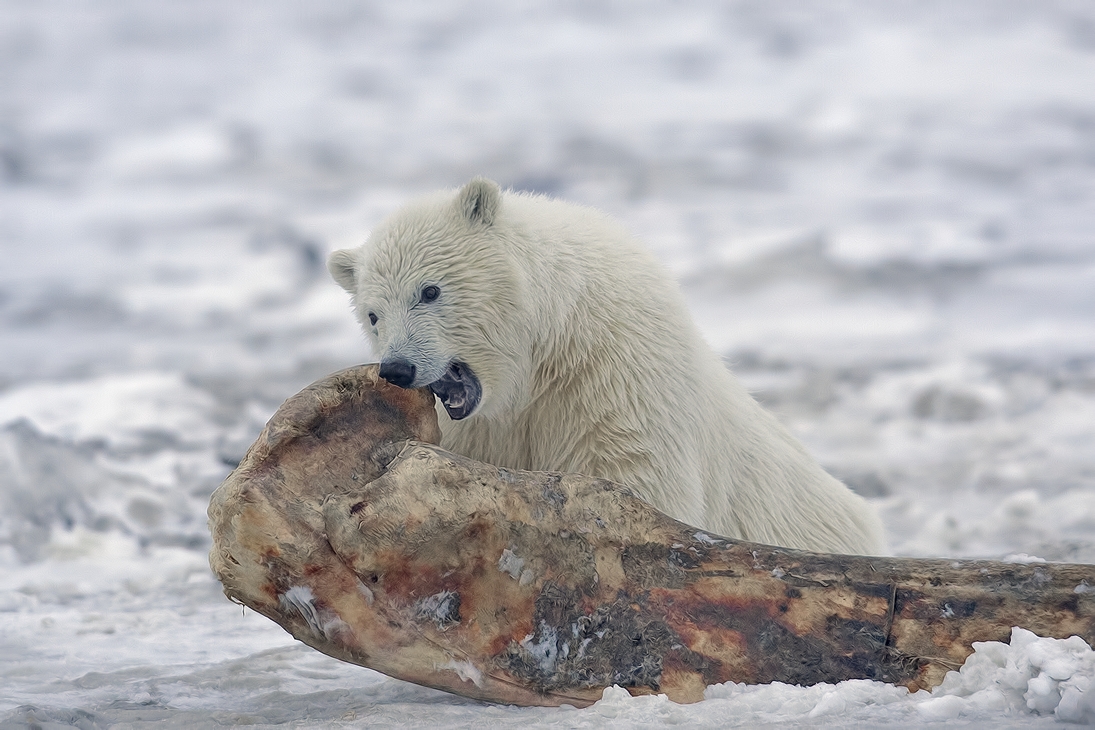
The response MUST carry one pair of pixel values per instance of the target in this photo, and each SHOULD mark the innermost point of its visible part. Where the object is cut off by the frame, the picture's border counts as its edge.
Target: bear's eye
(429, 293)
(372, 319)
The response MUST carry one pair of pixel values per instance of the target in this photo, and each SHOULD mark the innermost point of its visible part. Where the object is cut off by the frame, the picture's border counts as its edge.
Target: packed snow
(882, 214)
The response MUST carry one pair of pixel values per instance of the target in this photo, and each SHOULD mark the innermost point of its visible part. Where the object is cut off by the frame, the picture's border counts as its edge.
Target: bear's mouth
(458, 390)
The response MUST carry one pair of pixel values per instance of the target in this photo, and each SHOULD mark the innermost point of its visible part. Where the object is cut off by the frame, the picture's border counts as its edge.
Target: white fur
(589, 363)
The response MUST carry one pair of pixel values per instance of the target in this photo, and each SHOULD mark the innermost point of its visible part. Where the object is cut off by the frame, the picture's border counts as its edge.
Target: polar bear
(555, 342)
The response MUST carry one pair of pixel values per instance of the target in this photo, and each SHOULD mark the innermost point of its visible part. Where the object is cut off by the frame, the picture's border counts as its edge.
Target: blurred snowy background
(883, 214)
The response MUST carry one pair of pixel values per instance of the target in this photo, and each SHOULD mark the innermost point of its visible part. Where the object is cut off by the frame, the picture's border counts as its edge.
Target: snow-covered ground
(882, 213)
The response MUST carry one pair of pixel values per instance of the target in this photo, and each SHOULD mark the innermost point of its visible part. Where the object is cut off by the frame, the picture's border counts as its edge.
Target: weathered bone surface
(532, 588)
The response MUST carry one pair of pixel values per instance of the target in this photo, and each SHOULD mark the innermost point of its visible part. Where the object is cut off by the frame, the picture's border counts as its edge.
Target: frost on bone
(324, 623)
(467, 671)
(442, 608)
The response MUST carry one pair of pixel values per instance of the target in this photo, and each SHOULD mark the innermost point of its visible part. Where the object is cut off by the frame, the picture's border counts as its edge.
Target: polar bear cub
(555, 342)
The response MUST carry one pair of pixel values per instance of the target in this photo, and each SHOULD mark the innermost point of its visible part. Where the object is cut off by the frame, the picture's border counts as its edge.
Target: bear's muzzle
(458, 390)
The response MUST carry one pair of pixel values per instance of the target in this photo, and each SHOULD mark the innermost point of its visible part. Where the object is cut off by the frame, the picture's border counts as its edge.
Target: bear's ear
(343, 268)
(479, 200)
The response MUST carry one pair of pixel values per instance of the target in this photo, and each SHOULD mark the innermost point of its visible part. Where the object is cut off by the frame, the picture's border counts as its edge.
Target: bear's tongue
(458, 390)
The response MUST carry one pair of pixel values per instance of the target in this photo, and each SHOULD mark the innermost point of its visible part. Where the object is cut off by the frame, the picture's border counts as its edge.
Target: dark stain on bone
(619, 642)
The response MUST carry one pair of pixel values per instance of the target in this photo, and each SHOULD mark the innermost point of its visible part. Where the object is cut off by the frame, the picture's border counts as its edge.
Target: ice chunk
(1031, 673)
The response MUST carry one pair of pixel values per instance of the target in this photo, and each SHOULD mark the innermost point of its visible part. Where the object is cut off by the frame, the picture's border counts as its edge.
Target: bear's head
(438, 294)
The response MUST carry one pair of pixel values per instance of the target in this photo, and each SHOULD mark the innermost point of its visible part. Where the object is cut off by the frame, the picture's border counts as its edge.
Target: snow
(881, 214)
(1043, 675)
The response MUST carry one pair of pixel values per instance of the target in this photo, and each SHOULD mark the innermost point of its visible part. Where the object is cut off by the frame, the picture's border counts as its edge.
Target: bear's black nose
(397, 372)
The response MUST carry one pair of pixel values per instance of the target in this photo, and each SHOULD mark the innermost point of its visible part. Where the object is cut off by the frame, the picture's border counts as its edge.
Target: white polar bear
(555, 342)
